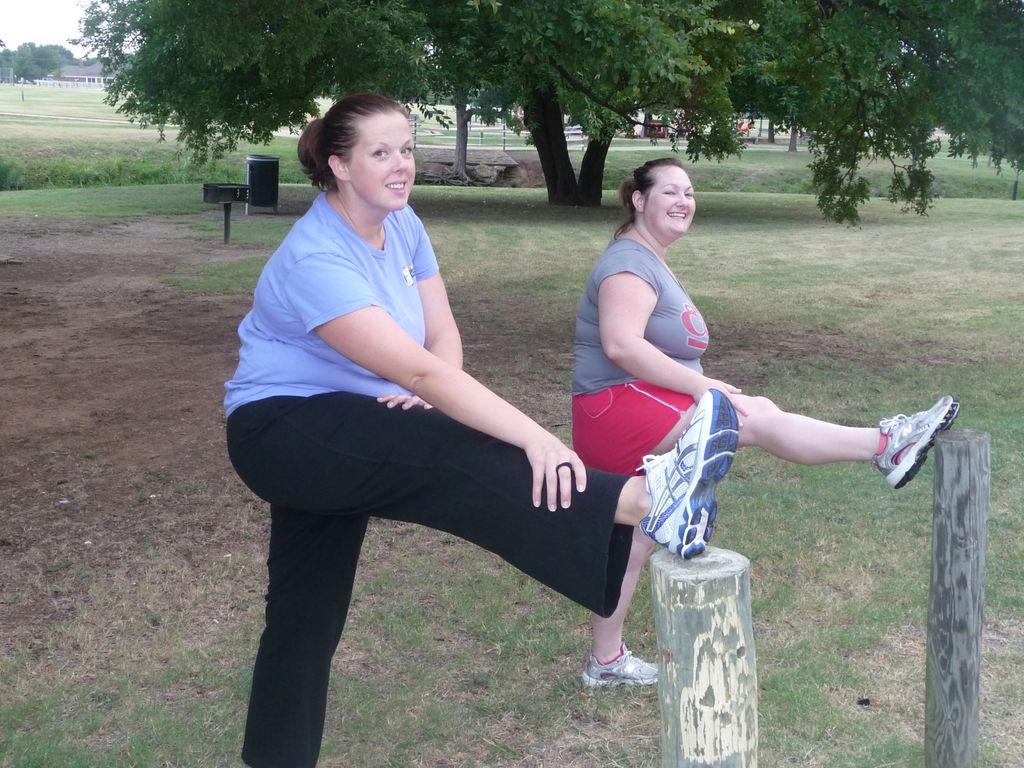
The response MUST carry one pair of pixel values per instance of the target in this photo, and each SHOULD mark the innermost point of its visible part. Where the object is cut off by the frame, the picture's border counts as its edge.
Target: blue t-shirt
(321, 271)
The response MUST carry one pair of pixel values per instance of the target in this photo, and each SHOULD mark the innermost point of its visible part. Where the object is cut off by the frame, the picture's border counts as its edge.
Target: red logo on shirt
(697, 330)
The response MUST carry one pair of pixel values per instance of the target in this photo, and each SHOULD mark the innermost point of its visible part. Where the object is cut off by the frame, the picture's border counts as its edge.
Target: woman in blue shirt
(350, 401)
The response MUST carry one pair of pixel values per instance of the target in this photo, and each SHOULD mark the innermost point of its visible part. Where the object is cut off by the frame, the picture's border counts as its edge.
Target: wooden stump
(707, 669)
(956, 599)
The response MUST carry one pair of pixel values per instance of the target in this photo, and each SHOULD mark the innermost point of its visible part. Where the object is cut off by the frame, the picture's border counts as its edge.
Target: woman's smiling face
(380, 168)
(669, 205)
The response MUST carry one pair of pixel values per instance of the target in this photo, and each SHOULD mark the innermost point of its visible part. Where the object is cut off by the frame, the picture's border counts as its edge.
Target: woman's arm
(371, 338)
(442, 337)
(624, 306)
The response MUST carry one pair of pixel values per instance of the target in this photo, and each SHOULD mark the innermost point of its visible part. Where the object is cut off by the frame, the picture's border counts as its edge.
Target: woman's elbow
(617, 351)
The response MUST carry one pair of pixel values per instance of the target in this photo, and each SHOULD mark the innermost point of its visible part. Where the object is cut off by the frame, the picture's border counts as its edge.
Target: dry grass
(135, 649)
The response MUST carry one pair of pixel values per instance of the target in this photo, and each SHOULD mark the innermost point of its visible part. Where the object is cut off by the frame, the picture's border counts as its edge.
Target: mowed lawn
(454, 659)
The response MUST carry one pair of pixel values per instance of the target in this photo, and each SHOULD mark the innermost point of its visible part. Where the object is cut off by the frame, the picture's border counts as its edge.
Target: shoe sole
(593, 682)
(922, 448)
(716, 449)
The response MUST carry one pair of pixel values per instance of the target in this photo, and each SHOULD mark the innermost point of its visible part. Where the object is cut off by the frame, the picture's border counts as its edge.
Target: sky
(43, 22)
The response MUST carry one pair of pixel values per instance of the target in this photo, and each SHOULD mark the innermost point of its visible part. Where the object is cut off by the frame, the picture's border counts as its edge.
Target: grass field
(454, 659)
(70, 138)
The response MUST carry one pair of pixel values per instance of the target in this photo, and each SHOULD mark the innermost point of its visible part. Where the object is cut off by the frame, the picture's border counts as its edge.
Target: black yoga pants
(326, 464)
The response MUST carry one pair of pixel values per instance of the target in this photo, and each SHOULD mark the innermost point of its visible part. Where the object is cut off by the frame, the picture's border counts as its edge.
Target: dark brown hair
(337, 132)
(641, 181)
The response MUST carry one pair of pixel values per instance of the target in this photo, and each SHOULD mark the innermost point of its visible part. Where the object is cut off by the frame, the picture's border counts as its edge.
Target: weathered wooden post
(707, 668)
(956, 600)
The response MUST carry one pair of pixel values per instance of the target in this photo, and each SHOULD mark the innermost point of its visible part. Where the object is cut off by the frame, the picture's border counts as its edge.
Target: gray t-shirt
(675, 327)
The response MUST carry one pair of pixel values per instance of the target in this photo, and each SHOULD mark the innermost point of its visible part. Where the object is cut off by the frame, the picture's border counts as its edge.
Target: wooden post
(227, 222)
(707, 669)
(956, 600)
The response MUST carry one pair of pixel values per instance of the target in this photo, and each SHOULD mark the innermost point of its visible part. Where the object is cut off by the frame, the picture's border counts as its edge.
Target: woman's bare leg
(801, 439)
(789, 436)
(606, 633)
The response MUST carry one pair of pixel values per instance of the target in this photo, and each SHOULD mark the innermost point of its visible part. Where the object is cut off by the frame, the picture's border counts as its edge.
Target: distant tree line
(867, 81)
(32, 62)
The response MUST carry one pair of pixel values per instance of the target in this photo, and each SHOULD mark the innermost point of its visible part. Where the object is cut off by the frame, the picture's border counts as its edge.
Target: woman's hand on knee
(739, 401)
(556, 471)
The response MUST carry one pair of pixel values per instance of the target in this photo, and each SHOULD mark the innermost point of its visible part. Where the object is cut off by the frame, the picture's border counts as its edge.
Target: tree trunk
(462, 118)
(794, 134)
(544, 117)
(592, 172)
(771, 131)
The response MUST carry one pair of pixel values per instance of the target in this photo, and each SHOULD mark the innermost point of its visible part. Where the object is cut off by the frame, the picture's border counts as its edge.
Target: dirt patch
(112, 430)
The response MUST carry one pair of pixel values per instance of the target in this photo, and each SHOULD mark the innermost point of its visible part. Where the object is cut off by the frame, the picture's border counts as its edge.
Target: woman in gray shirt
(637, 376)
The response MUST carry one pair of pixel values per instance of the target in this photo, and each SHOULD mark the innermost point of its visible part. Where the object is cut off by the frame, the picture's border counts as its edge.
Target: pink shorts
(615, 428)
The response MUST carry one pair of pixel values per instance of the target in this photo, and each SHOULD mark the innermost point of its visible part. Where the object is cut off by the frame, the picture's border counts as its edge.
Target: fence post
(956, 599)
(707, 668)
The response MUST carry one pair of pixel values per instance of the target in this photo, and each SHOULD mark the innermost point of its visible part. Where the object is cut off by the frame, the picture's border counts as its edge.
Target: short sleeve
(323, 286)
(417, 243)
(627, 260)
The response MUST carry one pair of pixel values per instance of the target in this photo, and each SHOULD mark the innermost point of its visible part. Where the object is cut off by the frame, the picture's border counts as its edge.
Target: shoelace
(896, 420)
(649, 461)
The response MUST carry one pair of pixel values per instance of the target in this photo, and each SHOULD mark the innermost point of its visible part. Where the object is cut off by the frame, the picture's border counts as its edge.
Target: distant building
(80, 75)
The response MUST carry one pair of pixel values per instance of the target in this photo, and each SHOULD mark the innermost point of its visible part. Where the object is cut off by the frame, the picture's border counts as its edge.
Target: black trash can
(261, 174)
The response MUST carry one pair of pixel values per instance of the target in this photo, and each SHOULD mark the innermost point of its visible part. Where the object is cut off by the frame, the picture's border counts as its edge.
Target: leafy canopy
(892, 81)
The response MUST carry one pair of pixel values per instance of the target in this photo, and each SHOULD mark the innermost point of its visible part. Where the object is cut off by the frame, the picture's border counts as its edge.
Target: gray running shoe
(625, 670)
(908, 439)
(682, 482)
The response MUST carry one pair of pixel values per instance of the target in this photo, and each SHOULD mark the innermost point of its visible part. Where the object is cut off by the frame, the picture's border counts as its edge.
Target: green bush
(10, 176)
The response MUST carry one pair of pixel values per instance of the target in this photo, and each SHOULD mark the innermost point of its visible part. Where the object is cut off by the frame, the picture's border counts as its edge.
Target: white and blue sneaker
(682, 482)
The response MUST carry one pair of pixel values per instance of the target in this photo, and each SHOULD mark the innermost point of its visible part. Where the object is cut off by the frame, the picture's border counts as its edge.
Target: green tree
(869, 80)
(459, 66)
(757, 87)
(34, 62)
(611, 66)
(227, 71)
(890, 81)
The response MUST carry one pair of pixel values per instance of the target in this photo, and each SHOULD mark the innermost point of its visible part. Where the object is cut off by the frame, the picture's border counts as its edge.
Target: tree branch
(591, 94)
(831, 7)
